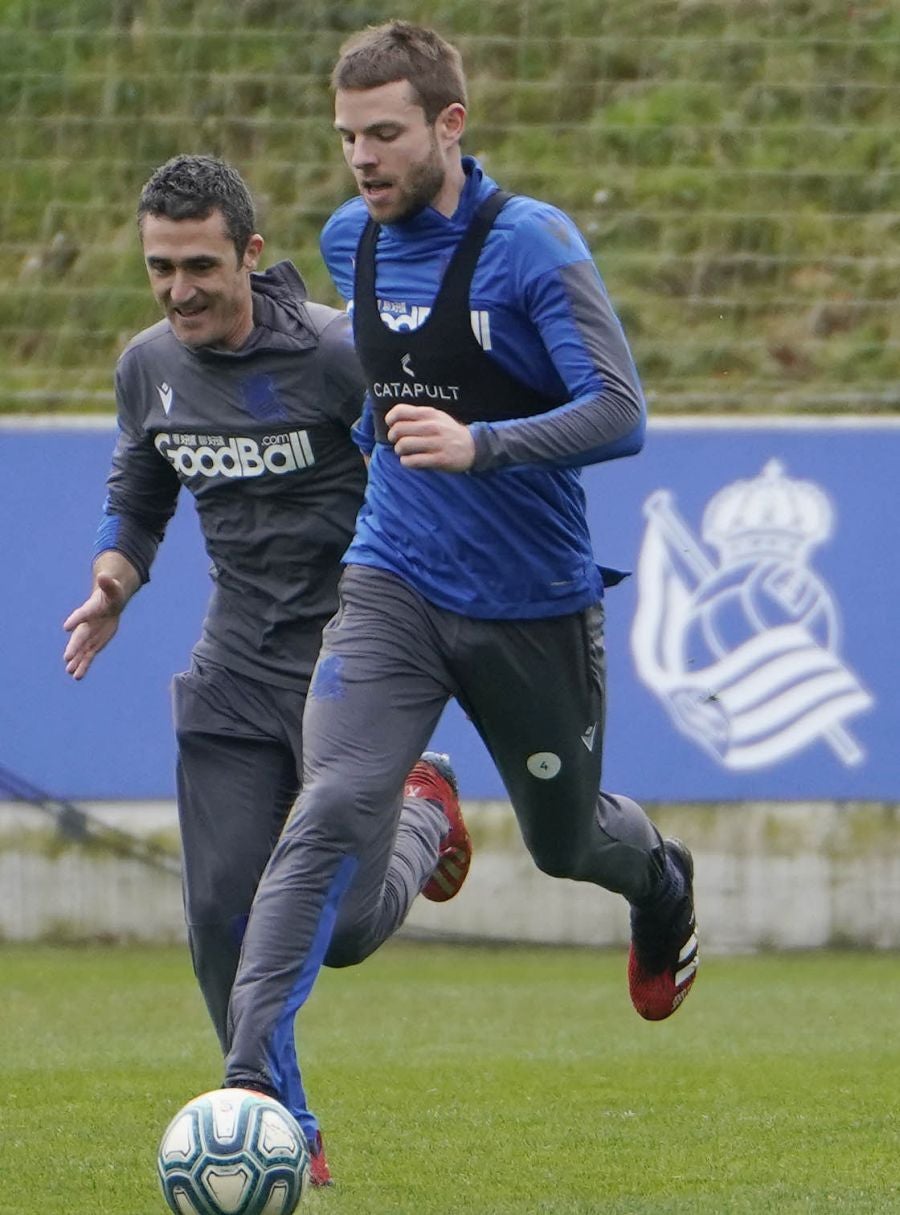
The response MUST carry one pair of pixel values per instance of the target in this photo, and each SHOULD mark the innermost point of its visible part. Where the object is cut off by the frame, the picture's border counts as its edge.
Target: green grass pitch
(454, 1080)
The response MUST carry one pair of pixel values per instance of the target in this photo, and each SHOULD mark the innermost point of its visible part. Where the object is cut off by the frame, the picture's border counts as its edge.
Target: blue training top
(509, 539)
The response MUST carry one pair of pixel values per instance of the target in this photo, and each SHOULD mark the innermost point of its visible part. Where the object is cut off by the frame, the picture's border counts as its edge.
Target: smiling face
(201, 283)
(401, 162)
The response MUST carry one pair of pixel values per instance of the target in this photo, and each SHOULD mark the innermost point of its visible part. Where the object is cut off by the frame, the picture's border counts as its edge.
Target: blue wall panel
(752, 653)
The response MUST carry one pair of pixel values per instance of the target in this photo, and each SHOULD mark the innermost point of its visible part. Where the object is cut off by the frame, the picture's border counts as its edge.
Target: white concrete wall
(51, 889)
(790, 876)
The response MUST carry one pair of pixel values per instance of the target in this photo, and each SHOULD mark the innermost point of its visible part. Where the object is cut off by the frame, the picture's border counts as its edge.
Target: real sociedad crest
(744, 652)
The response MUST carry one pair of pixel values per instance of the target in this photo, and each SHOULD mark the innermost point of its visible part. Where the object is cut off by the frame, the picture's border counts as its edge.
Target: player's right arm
(94, 624)
(142, 492)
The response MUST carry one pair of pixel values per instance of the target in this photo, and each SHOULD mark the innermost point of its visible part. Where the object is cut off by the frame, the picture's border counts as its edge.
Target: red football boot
(432, 778)
(663, 960)
(319, 1172)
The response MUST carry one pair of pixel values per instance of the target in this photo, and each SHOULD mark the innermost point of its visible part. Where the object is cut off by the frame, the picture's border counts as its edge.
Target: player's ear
(451, 122)
(253, 251)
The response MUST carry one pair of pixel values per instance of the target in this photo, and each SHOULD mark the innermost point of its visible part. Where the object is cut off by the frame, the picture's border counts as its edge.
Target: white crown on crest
(771, 515)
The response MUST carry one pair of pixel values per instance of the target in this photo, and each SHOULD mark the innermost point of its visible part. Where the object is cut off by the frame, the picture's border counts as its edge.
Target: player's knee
(348, 950)
(357, 933)
(557, 859)
(329, 811)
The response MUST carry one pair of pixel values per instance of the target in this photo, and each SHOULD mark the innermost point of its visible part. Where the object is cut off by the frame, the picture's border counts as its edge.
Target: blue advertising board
(752, 653)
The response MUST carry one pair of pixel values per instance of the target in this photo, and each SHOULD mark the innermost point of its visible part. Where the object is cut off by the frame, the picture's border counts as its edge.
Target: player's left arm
(338, 250)
(345, 383)
(605, 416)
(570, 336)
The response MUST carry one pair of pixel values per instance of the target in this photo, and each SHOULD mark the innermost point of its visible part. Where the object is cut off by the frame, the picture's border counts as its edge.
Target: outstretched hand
(93, 624)
(429, 438)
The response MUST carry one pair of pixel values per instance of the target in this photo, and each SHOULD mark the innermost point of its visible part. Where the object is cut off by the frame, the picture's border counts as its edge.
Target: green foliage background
(733, 163)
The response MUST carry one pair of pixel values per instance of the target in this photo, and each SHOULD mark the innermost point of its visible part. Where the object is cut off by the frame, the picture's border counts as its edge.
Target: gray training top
(261, 438)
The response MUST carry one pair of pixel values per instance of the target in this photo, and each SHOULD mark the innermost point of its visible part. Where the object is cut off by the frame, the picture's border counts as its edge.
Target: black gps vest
(441, 363)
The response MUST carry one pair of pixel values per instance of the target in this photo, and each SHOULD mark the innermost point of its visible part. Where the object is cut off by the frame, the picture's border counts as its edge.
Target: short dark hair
(397, 50)
(192, 187)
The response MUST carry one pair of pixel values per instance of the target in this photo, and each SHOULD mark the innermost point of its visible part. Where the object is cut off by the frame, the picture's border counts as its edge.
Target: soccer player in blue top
(496, 368)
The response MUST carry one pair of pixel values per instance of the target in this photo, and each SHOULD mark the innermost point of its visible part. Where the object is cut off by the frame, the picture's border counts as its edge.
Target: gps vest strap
(441, 362)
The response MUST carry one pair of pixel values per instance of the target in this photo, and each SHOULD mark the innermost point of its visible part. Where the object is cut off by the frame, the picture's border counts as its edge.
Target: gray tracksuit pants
(238, 775)
(389, 662)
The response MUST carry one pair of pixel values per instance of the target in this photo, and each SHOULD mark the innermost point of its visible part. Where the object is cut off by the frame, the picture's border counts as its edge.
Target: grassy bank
(454, 1081)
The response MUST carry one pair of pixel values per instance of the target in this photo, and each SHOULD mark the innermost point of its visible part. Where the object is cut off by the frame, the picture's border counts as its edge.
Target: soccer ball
(233, 1152)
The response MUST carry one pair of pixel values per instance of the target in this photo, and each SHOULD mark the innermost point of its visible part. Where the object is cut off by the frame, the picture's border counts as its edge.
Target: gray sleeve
(579, 433)
(606, 414)
(141, 492)
(343, 376)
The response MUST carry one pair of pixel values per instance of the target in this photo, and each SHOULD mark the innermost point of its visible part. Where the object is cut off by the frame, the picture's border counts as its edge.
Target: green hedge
(734, 165)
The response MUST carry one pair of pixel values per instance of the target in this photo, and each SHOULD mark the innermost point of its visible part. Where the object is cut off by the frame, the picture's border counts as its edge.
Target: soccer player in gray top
(245, 393)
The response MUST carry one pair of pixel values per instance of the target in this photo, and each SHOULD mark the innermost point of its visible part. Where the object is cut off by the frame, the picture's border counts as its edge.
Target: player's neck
(447, 198)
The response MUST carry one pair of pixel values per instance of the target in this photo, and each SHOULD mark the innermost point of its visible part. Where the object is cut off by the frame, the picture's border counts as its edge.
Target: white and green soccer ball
(233, 1152)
